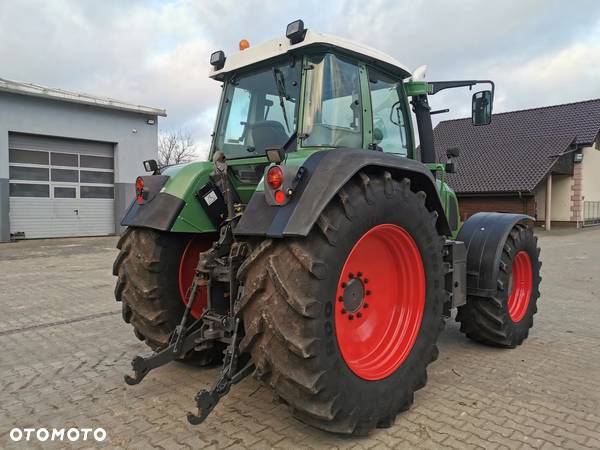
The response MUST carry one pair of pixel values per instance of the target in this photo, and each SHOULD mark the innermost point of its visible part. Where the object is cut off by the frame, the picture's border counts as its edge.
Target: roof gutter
(34, 90)
(520, 194)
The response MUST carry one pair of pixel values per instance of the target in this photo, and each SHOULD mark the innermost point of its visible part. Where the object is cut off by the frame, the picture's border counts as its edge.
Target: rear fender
(325, 173)
(171, 203)
(484, 235)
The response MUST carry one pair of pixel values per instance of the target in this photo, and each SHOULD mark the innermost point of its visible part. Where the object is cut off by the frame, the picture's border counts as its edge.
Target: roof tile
(516, 151)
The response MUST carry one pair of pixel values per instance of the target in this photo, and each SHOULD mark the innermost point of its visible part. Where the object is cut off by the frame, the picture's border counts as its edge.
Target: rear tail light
(279, 197)
(139, 189)
(275, 177)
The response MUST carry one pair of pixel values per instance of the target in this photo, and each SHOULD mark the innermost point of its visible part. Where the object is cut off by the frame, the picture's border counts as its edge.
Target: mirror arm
(438, 86)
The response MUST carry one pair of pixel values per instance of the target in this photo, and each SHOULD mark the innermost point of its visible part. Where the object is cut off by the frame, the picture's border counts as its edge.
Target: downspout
(548, 222)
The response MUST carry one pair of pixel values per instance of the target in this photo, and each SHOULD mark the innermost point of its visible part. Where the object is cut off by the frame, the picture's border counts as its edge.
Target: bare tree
(176, 147)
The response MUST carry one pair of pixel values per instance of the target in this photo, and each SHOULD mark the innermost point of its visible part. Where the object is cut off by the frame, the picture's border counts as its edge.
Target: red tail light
(279, 197)
(139, 189)
(275, 177)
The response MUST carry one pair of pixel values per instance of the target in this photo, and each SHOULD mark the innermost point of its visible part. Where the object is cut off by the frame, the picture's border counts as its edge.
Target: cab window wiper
(280, 85)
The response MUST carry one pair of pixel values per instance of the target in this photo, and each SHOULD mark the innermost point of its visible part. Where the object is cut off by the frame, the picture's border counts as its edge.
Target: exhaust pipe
(422, 112)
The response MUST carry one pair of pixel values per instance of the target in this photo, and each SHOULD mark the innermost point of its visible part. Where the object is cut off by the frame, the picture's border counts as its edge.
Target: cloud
(156, 52)
(570, 74)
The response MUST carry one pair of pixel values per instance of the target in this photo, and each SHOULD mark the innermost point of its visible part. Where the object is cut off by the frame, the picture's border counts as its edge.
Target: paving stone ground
(64, 350)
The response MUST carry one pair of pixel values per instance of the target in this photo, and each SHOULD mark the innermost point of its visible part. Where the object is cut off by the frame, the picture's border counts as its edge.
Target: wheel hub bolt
(350, 317)
(359, 315)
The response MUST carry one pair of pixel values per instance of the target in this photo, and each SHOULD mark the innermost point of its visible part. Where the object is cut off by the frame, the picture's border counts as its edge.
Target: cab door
(391, 132)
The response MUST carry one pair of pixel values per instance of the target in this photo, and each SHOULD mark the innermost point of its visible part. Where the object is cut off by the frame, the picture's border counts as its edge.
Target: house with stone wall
(544, 162)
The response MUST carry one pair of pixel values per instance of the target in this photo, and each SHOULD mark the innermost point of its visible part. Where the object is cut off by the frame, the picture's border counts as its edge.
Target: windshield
(259, 111)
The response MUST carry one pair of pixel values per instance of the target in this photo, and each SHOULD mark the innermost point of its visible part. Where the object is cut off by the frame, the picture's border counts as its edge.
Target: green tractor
(318, 249)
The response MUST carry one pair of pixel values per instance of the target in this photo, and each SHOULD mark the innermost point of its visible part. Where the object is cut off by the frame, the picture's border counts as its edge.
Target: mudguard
(170, 200)
(157, 209)
(484, 235)
(325, 174)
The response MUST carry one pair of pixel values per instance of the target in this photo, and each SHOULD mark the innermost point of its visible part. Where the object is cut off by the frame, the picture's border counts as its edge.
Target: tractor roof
(280, 46)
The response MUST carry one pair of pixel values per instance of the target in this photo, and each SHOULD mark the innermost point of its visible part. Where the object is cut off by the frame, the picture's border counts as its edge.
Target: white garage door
(60, 187)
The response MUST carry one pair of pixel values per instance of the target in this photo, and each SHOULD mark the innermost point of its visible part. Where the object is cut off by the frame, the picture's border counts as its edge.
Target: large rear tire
(307, 302)
(504, 319)
(148, 287)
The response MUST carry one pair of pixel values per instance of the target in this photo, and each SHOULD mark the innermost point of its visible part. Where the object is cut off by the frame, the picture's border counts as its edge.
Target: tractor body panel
(174, 205)
(325, 174)
(484, 235)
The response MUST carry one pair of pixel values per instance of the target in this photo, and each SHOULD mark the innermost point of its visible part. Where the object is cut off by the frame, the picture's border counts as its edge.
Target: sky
(156, 53)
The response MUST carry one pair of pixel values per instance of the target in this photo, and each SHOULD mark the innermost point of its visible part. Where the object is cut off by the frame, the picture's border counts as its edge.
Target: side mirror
(453, 152)
(150, 165)
(482, 108)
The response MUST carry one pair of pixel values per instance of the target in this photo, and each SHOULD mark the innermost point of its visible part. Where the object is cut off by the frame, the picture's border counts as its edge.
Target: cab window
(333, 109)
(258, 110)
(390, 127)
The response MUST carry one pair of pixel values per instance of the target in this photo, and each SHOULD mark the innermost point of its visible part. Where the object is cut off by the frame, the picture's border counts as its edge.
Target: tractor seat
(267, 134)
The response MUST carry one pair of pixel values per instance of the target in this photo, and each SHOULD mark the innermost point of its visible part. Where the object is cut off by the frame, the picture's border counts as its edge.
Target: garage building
(68, 161)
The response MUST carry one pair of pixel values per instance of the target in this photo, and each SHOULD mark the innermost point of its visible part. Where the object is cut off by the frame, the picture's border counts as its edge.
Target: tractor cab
(309, 91)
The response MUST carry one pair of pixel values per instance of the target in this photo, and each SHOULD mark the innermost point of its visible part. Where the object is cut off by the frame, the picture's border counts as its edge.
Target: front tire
(296, 331)
(504, 319)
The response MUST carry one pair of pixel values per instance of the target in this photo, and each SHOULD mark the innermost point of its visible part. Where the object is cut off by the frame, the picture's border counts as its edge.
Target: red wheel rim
(522, 282)
(377, 333)
(187, 266)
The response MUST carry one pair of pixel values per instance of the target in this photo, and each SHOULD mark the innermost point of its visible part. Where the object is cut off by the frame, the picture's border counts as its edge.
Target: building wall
(569, 192)
(34, 115)
(470, 205)
(590, 176)
(561, 199)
